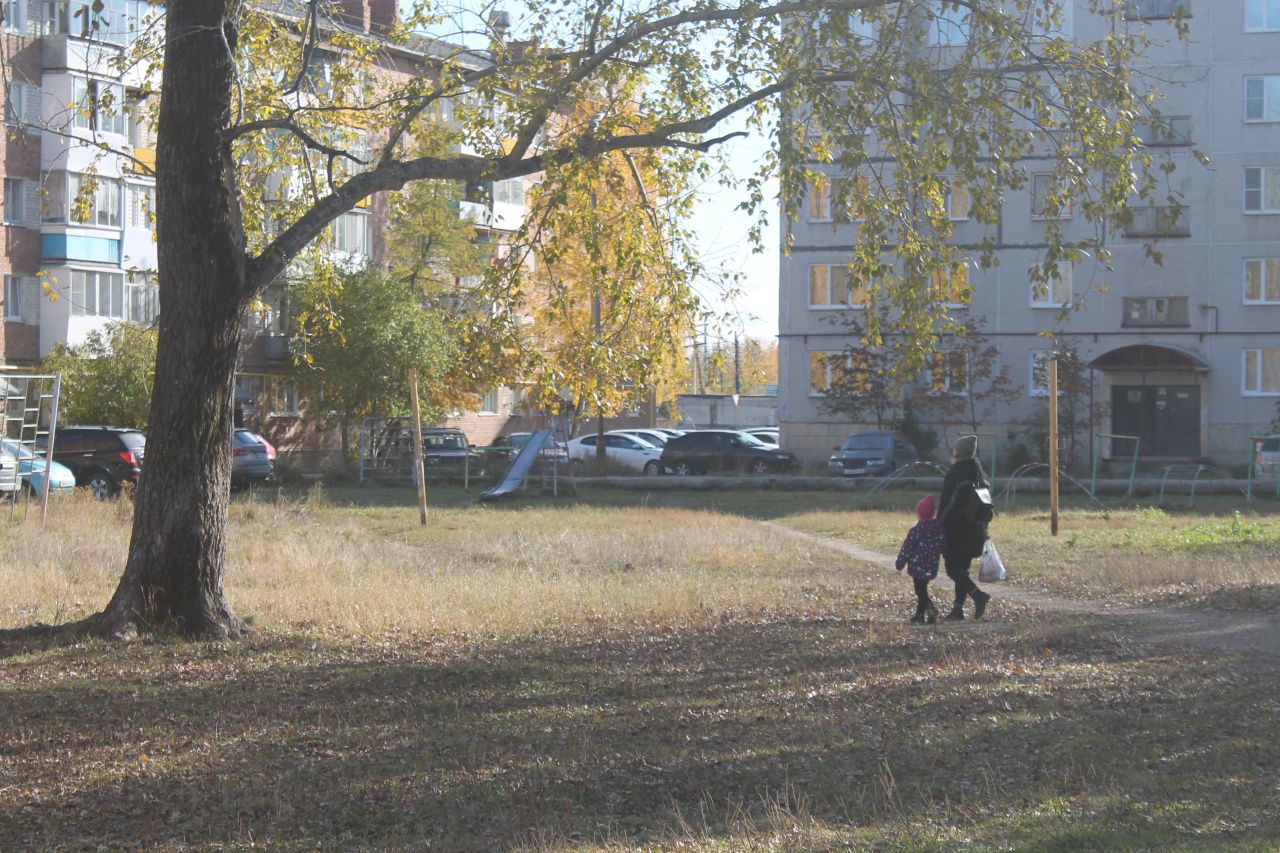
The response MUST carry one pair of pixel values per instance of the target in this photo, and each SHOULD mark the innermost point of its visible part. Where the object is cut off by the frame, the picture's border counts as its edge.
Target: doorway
(1165, 417)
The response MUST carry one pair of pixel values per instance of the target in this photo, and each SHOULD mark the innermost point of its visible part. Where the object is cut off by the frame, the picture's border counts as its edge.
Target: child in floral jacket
(920, 553)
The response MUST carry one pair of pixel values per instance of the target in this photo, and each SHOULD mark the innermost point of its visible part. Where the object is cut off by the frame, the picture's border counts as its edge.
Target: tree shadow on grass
(294, 745)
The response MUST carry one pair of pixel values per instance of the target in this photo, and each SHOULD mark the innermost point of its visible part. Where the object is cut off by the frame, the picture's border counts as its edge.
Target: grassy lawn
(663, 675)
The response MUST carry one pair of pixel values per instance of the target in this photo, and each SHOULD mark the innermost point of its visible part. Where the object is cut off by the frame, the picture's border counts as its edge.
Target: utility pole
(737, 367)
(596, 328)
(1053, 445)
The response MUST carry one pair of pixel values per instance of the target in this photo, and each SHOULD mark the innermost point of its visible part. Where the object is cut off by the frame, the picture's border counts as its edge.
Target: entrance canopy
(1149, 358)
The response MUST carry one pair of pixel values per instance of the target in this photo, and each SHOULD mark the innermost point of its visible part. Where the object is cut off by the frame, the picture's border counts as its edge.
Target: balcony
(276, 347)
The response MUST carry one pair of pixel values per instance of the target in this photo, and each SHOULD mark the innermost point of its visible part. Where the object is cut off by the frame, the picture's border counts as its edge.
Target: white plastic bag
(990, 566)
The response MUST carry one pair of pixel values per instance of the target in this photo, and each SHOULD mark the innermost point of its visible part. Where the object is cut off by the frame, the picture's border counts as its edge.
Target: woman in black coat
(965, 538)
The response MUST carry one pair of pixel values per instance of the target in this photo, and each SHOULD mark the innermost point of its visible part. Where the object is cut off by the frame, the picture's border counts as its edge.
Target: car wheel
(759, 466)
(652, 468)
(682, 468)
(100, 484)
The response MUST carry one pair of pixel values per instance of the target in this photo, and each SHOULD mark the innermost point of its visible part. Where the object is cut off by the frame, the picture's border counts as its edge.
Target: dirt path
(1257, 636)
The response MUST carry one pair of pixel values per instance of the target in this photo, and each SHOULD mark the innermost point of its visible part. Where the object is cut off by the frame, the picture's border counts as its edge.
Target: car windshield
(868, 442)
(448, 442)
(748, 438)
(12, 448)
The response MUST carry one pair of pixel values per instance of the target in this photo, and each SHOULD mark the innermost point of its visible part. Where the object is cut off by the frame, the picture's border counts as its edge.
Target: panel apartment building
(70, 270)
(1185, 355)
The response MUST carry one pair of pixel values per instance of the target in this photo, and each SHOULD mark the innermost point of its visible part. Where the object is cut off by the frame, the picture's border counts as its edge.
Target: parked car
(626, 451)
(252, 459)
(723, 451)
(101, 457)
(769, 435)
(8, 475)
(508, 446)
(1268, 456)
(656, 437)
(873, 452)
(446, 448)
(30, 470)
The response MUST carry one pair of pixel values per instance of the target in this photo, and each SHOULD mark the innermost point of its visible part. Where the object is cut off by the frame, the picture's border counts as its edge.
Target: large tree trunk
(173, 577)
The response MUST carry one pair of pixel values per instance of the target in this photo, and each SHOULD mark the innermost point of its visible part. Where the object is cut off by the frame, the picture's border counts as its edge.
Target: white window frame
(954, 181)
(1268, 99)
(831, 304)
(828, 356)
(949, 287)
(1063, 279)
(1049, 178)
(946, 28)
(141, 297)
(1259, 11)
(22, 106)
(15, 193)
(13, 298)
(140, 205)
(940, 372)
(353, 234)
(1268, 277)
(1255, 356)
(89, 112)
(1038, 362)
(489, 403)
(1261, 189)
(819, 200)
(280, 393)
(97, 293)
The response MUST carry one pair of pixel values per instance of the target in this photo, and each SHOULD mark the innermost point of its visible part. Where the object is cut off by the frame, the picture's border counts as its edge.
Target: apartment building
(71, 268)
(1185, 355)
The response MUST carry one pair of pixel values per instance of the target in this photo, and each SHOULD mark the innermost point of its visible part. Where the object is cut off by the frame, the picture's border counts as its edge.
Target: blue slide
(519, 467)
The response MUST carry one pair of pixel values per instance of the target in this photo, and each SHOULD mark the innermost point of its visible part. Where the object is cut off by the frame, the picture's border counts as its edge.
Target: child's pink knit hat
(924, 509)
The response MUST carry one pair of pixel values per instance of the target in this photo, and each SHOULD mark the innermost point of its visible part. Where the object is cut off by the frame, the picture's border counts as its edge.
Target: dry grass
(305, 563)
(602, 678)
(1136, 555)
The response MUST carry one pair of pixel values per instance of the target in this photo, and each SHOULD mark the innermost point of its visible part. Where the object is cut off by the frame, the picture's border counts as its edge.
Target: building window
(1262, 189)
(1054, 292)
(1261, 372)
(258, 391)
(97, 294)
(489, 402)
(1045, 201)
(1156, 311)
(819, 201)
(68, 199)
(846, 370)
(21, 202)
(352, 234)
(831, 286)
(1164, 132)
(949, 372)
(13, 298)
(141, 298)
(957, 200)
(1262, 98)
(1158, 221)
(22, 105)
(100, 106)
(113, 21)
(1146, 10)
(509, 192)
(948, 24)
(952, 286)
(1261, 15)
(1262, 281)
(141, 205)
(1039, 384)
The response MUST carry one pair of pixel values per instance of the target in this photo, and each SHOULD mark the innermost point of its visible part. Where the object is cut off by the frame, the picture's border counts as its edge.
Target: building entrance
(1165, 417)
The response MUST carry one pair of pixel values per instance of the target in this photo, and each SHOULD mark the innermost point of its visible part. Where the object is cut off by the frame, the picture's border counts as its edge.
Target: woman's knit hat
(966, 447)
(924, 508)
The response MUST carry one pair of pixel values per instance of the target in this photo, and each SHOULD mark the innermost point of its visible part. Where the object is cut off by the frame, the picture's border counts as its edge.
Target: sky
(723, 241)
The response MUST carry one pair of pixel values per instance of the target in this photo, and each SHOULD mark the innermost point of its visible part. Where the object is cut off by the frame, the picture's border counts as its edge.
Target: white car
(656, 437)
(626, 451)
(769, 435)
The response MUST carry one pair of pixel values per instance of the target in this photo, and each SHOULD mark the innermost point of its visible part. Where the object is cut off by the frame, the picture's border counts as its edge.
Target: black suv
(101, 457)
(722, 450)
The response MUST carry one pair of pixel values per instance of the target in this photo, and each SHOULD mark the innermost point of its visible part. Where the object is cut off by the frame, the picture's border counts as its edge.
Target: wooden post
(1053, 445)
(418, 468)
